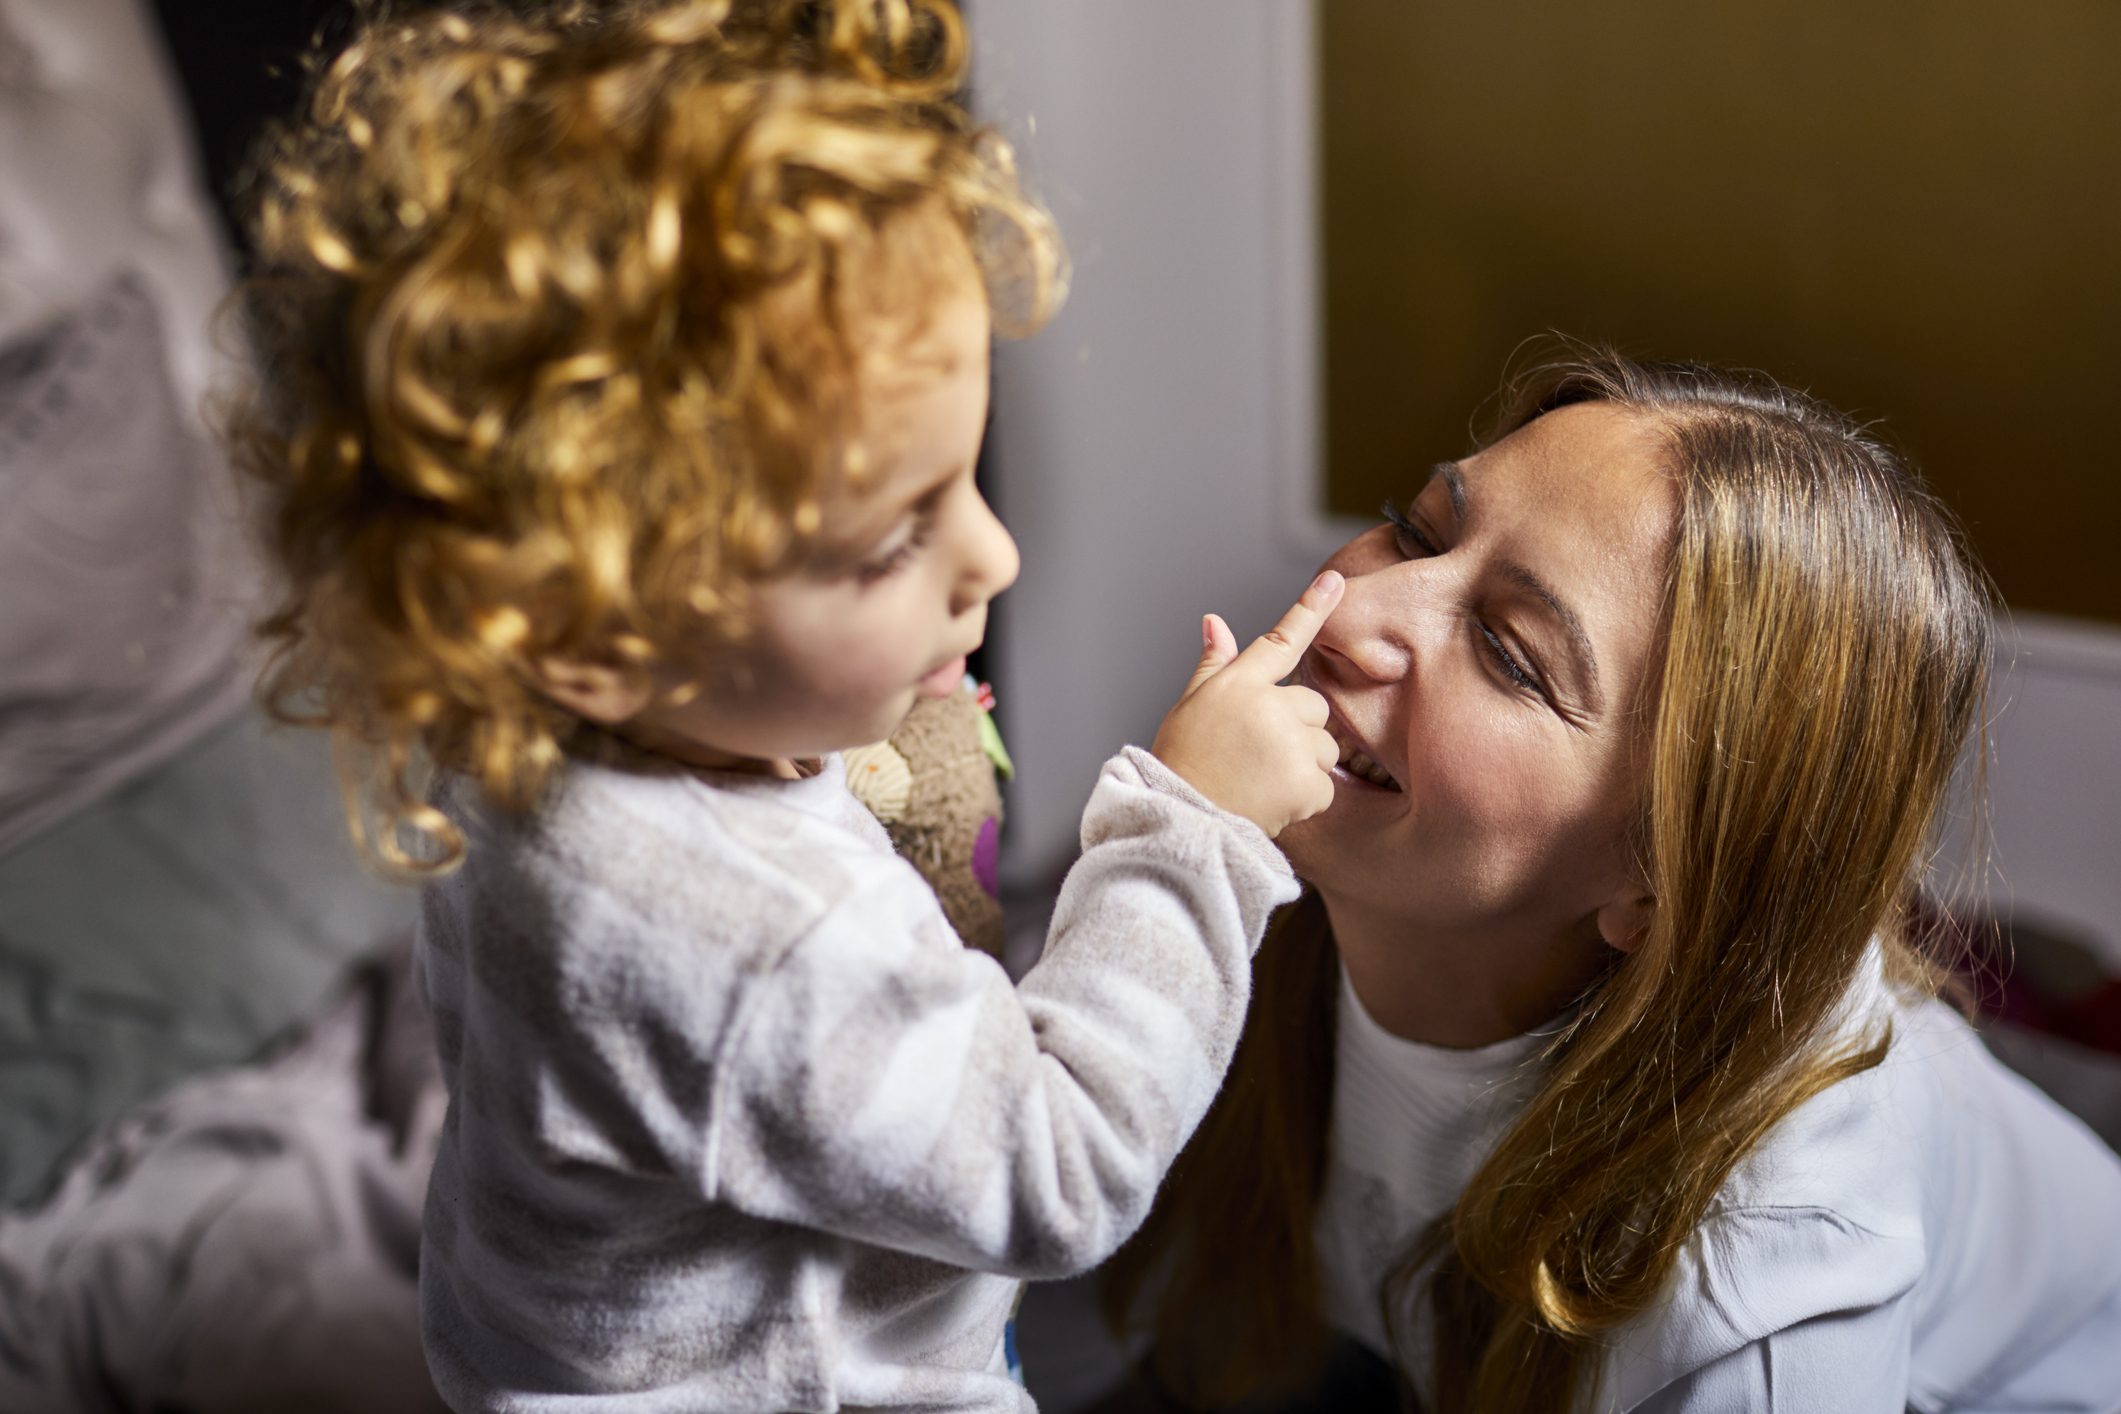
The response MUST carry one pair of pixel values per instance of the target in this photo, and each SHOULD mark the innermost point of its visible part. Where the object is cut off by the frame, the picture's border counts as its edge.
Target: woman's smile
(1358, 768)
(1356, 763)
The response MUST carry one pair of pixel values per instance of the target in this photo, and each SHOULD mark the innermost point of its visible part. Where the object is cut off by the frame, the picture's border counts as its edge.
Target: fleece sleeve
(887, 1084)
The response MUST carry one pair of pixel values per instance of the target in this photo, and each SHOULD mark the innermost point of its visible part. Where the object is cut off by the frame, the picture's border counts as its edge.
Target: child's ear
(600, 692)
(1625, 921)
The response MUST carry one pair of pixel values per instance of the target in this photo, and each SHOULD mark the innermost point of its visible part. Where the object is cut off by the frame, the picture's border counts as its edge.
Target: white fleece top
(736, 1123)
(1932, 1234)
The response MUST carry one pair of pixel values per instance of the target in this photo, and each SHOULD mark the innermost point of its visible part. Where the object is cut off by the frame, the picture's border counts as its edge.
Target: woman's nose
(1374, 630)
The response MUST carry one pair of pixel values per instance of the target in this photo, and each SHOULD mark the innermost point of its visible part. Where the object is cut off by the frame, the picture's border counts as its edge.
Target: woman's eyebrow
(1578, 638)
(1455, 485)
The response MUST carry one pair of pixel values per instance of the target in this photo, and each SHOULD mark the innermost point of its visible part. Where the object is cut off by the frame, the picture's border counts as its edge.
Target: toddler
(625, 372)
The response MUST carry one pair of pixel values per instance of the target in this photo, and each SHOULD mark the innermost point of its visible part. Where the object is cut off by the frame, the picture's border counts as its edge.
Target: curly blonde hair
(551, 315)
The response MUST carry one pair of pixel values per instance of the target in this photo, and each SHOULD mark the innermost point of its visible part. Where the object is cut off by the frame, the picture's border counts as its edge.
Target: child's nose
(990, 560)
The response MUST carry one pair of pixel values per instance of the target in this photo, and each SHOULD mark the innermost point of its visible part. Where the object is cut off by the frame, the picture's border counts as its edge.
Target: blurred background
(1307, 235)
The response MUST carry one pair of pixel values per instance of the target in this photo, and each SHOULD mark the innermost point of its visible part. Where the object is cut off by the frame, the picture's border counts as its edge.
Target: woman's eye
(1515, 671)
(1413, 542)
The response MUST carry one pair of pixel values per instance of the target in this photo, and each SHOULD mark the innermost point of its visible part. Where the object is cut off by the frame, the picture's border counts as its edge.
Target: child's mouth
(943, 681)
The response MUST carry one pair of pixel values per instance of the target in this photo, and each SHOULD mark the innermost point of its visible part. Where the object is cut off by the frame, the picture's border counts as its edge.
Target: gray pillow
(125, 584)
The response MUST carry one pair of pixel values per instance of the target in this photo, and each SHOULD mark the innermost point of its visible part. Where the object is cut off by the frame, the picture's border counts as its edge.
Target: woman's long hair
(1825, 655)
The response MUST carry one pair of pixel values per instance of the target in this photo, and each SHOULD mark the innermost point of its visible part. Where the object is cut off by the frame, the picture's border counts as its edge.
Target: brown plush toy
(932, 784)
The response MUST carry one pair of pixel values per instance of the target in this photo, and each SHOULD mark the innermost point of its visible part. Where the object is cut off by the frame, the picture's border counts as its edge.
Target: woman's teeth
(1355, 762)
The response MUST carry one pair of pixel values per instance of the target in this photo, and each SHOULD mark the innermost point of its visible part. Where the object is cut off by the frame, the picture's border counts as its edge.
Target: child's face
(895, 595)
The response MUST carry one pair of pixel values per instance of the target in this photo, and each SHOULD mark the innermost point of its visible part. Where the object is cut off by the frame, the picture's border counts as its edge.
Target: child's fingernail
(1207, 634)
(1326, 583)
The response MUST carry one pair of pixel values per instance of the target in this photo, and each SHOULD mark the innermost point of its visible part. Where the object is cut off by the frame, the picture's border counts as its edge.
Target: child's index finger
(1274, 654)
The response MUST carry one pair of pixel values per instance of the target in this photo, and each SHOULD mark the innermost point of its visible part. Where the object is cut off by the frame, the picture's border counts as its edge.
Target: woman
(1597, 1069)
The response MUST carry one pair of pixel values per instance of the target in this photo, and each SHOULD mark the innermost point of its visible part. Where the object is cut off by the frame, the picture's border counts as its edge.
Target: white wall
(1156, 442)
(2054, 782)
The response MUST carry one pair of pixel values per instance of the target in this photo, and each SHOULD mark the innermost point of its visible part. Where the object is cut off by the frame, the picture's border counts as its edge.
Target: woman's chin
(1308, 843)
(1345, 831)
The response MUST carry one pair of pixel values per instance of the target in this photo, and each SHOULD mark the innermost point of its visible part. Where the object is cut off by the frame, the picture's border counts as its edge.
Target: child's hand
(1253, 747)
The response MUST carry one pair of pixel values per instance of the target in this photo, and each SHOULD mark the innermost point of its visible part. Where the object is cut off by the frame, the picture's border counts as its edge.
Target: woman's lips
(1356, 763)
(943, 681)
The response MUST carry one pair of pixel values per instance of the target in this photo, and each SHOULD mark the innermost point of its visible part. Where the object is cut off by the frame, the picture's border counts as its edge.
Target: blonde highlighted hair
(552, 313)
(1825, 646)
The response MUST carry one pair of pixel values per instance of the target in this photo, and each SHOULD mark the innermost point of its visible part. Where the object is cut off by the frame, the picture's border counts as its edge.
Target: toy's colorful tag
(990, 736)
(1011, 1355)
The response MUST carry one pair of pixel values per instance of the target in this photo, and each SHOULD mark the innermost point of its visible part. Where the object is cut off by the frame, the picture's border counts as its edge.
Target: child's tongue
(944, 680)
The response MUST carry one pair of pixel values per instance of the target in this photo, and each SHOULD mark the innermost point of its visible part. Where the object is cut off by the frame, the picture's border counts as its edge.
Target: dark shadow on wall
(1911, 208)
(239, 64)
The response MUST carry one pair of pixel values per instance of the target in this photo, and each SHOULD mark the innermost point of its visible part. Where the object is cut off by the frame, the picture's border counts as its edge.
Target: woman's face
(1484, 674)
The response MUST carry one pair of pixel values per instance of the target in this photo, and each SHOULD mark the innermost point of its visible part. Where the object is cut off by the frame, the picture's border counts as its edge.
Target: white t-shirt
(1932, 1234)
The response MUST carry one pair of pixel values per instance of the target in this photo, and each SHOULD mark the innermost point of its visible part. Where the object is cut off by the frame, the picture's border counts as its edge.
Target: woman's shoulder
(1863, 1148)
(1935, 1181)
(1902, 1148)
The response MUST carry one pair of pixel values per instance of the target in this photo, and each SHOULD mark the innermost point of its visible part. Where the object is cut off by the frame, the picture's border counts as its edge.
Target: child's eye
(898, 556)
(1413, 542)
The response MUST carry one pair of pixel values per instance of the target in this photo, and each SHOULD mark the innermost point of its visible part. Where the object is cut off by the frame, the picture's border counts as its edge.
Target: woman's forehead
(1579, 503)
(1588, 462)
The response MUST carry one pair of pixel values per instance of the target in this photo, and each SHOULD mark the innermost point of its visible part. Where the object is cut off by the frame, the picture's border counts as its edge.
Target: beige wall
(1912, 207)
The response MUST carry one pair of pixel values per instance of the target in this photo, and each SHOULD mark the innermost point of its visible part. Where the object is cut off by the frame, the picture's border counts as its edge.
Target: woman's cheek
(1483, 781)
(1550, 825)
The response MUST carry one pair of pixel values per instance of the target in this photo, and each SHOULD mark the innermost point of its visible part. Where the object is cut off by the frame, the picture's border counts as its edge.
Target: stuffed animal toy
(932, 784)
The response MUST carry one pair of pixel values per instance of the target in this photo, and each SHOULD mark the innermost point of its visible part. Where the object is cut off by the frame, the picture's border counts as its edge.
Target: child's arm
(891, 1087)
